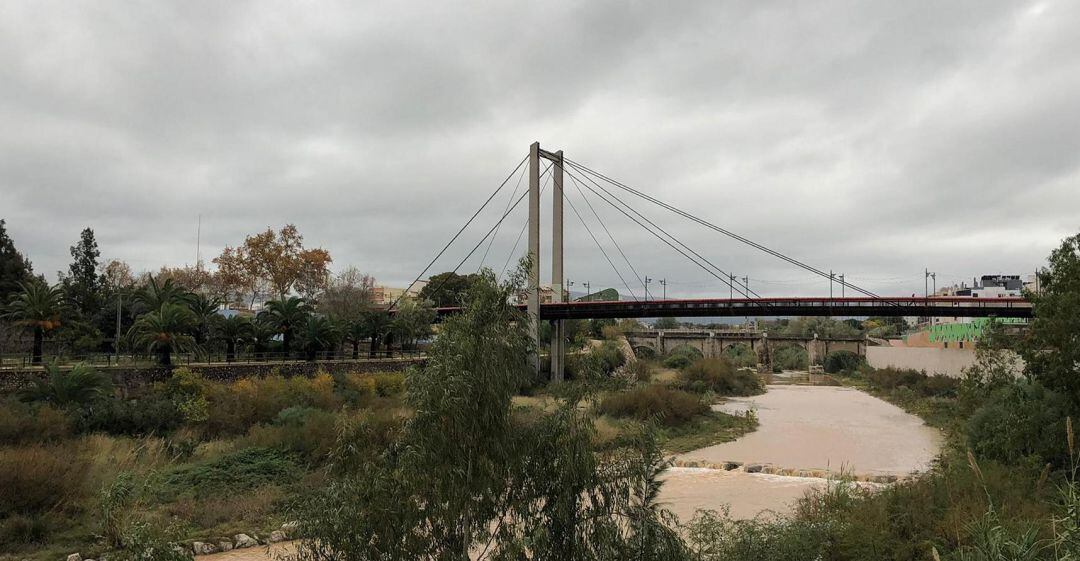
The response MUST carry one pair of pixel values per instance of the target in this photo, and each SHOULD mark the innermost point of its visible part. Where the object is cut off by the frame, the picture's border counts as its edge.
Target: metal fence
(24, 360)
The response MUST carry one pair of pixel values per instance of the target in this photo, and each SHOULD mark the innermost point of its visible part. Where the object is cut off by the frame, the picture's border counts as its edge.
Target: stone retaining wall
(128, 377)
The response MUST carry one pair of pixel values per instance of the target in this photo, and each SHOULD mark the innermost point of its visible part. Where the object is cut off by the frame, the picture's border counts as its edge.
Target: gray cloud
(871, 138)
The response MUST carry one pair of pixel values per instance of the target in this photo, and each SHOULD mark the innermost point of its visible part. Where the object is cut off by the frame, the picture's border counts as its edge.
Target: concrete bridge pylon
(558, 331)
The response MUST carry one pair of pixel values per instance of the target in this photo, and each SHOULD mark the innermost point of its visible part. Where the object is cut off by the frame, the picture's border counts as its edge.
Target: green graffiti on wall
(971, 331)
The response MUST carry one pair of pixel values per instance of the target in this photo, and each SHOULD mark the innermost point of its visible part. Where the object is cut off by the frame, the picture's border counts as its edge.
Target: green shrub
(740, 354)
(670, 407)
(842, 361)
(237, 471)
(22, 423)
(389, 383)
(152, 412)
(39, 478)
(681, 356)
(1021, 421)
(918, 383)
(791, 357)
(639, 370)
(306, 431)
(719, 376)
(235, 407)
(21, 530)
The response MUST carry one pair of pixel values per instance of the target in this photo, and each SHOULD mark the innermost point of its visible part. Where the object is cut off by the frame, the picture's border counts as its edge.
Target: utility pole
(588, 293)
(842, 285)
(746, 283)
(647, 281)
(831, 277)
(663, 283)
(569, 284)
(731, 287)
(116, 343)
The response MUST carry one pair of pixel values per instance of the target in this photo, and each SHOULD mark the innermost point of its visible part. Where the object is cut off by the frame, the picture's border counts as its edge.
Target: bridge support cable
(586, 170)
(509, 201)
(597, 242)
(489, 232)
(458, 234)
(637, 276)
(699, 260)
(513, 250)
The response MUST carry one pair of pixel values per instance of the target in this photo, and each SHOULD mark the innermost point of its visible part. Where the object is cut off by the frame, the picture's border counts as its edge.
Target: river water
(813, 428)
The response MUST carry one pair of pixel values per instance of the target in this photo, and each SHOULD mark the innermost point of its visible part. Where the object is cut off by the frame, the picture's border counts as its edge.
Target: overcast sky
(871, 138)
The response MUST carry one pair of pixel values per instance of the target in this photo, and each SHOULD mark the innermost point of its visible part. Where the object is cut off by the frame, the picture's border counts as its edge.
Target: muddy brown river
(822, 428)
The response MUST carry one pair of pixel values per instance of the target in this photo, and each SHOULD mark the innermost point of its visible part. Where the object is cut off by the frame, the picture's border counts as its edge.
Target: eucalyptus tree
(234, 330)
(287, 316)
(165, 331)
(37, 306)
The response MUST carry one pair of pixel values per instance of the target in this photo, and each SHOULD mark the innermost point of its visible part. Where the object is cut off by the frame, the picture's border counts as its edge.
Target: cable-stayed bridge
(591, 185)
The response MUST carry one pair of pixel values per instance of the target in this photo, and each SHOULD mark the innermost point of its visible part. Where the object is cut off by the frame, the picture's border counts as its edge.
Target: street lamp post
(663, 283)
(647, 281)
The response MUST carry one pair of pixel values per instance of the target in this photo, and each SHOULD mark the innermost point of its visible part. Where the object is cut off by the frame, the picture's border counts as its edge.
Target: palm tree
(82, 385)
(287, 315)
(318, 334)
(233, 330)
(165, 331)
(356, 332)
(153, 295)
(38, 307)
(206, 314)
(262, 336)
(377, 323)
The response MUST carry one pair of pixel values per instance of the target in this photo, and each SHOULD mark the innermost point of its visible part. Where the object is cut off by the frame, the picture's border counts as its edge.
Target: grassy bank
(82, 468)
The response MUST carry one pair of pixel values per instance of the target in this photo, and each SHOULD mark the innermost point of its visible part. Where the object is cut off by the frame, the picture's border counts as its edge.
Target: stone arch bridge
(712, 343)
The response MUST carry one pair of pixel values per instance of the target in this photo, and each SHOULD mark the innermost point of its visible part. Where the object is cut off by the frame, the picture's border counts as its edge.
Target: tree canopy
(448, 289)
(1052, 349)
(15, 268)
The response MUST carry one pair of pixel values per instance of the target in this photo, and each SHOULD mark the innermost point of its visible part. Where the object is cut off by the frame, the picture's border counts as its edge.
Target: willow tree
(471, 477)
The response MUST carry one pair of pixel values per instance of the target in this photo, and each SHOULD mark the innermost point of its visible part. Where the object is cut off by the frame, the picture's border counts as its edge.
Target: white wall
(933, 360)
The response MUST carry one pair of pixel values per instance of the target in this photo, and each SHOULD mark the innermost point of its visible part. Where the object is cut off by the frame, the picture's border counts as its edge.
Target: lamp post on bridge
(647, 281)
(842, 285)
(588, 293)
(663, 283)
(731, 287)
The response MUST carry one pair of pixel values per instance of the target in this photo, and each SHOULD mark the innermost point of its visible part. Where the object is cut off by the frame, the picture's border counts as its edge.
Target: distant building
(386, 295)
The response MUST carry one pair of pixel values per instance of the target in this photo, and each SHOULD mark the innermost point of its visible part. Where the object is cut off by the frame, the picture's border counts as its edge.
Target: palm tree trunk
(230, 351)
(165, 355)
(356, 349)
(39, 340)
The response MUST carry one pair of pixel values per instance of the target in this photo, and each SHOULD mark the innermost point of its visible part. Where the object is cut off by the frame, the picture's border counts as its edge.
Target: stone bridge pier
(712, 344)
